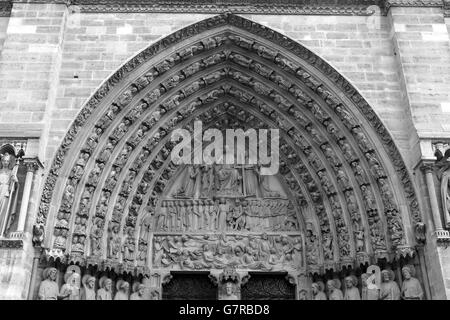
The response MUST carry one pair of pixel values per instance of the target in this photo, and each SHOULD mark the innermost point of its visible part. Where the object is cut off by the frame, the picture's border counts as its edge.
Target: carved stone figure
(191, 180)
(71, 289)
(123, 289)
(351, 290)
(114, 242)
(48, 289)
(95, 173)
(129, 246)
(105, 291)
(229, 292)
(411, 287)
(138, 292)
(317, 290)
(389, 289)
(334, 292)
(375, 166)
(88, 291)
(227, 180)
(346, 118)
(8, 190)
(445, 196)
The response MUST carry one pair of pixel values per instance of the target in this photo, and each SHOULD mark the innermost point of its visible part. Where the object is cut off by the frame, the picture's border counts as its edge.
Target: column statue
(48, 289)
(138, 292)
(411, 288)
(122, 290)
(105, 292)
(334, 293)
(389, 289)
(351, 290)
(88, 291)
(8, 190)
(317, 289)
(71, 289)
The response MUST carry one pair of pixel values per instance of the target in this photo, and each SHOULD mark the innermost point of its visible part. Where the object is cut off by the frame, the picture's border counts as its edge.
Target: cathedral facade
(93, 205)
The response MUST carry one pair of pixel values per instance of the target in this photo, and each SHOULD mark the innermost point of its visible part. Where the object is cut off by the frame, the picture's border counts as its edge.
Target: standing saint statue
(71, 289)
(351, 290)
(389, 289)
(88, 291)
(138, 292)
(317, 289)
(8, 190)
(334, 293)
(105, 292)
(122, 290)
(48, 289)
(411, 288)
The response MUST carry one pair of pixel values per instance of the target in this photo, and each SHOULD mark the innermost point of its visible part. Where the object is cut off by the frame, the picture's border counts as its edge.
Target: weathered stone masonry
(54, 56)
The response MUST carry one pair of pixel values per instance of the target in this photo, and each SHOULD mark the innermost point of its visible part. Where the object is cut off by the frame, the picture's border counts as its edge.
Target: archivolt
(338, 159)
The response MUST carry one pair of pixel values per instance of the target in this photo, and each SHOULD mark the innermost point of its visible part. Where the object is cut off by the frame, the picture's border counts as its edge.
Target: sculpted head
(125, 286)
(6, 160)
(315, 288)
(52, 272)
(350, 282)
(385, 276)
(406, 271)
(91, 282)
(74, 279)
(141, 290)
(229, 288)
(331, 285)
(107, 285)
(364, 278)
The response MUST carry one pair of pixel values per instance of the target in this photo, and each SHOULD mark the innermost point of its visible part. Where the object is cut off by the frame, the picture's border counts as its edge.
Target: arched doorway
(114, 201)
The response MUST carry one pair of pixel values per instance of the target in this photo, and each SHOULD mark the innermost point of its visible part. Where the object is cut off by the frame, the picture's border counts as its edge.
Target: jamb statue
(48, 289)
(389, 289)
(105, 292)
(317, 289)
(88, 291)
(411, 288)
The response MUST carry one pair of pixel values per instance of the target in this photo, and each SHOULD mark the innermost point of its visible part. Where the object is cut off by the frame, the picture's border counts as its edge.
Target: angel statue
(8, 190)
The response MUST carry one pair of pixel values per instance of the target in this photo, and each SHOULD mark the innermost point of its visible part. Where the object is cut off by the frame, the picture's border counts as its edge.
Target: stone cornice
(282, 7)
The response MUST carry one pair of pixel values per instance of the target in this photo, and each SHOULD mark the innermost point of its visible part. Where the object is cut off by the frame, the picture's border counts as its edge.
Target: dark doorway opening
(189, 286)
(268, 286)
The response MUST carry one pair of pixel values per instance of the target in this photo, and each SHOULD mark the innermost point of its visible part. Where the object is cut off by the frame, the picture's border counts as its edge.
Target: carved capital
(442, 237)
(427, 166)
(32, 164)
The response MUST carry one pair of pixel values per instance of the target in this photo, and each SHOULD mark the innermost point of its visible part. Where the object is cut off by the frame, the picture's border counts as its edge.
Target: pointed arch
(113, 164)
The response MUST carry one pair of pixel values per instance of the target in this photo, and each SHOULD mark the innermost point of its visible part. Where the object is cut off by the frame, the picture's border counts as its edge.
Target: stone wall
(83, 49)
(53, 58)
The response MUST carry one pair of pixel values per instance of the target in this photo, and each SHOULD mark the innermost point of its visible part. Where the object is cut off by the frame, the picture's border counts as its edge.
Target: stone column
(31, 168)
(428, 170)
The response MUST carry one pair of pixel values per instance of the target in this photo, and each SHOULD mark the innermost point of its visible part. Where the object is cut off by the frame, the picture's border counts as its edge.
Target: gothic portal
(115, 206)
